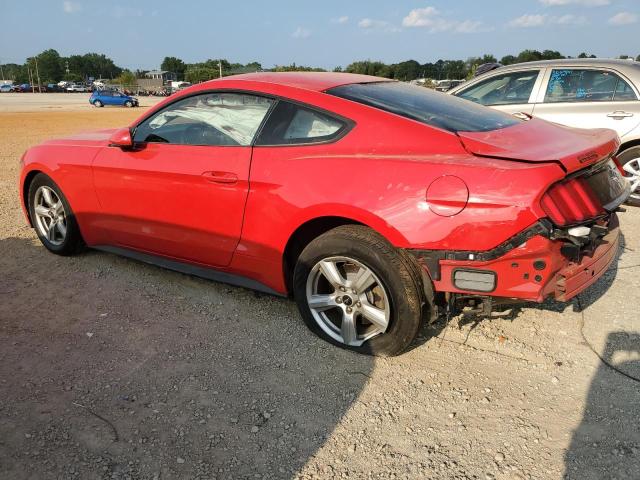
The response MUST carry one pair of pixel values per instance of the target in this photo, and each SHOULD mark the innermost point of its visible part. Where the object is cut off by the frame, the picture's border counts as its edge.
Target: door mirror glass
(121, 138)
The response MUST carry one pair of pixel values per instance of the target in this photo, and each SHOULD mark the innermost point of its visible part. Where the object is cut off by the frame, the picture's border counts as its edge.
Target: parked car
(373, 202)
(54, 88)
(100, 98)
(6, 88)
(446, 85)
(76, 87)
(585, 93)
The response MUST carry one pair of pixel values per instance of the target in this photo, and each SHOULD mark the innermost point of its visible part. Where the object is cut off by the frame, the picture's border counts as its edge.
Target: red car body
(456, 201)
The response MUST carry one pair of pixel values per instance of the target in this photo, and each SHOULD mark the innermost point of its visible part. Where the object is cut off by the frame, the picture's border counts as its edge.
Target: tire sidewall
(386, 264)
(73, 239)
(624, 158)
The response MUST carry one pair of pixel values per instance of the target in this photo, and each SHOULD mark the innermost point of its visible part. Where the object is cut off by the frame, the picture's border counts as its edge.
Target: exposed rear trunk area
(540, 141)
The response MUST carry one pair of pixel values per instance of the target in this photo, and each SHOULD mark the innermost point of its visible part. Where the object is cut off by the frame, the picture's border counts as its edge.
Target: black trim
(190, 269)
(431, 258)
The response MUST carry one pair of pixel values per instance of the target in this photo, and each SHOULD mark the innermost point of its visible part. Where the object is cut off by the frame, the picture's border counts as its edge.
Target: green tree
(175, 65)
(49, 65)
(126, 78)
(585, 55)
(200, 74)
(508, 60)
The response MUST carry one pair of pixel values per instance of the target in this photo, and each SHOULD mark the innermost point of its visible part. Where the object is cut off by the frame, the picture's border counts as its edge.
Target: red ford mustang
(372, 202)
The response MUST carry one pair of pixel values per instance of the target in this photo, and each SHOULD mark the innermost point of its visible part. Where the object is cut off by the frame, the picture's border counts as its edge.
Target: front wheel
(630, 161)
(52, 217)
(357, 291)
(98, 104)
(128, 104)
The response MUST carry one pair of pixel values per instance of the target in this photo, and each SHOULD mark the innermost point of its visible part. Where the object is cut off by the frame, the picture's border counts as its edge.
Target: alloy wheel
(347, 300)
(51, 219)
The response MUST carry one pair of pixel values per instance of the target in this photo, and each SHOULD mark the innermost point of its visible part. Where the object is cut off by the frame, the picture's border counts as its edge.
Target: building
(163, 75)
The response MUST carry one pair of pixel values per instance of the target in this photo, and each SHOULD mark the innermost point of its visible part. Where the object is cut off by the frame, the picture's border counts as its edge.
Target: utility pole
(38, 75)
(33, 89)
(220, 67)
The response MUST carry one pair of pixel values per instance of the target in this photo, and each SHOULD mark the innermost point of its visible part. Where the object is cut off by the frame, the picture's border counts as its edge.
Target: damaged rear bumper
(539, 263)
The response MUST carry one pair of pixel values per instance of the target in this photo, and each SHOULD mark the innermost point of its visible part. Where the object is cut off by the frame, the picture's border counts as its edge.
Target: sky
(324, 33)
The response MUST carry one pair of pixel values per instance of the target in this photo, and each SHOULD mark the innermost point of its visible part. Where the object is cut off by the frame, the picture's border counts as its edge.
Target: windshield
(426, 106)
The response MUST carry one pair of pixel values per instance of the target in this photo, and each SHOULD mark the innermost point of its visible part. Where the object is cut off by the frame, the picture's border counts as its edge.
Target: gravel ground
(112, 369)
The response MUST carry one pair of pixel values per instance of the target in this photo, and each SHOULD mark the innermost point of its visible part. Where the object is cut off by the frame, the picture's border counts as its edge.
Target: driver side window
(507, 89)
(209, 119)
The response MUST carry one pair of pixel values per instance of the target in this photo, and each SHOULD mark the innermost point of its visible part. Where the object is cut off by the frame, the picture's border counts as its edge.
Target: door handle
(220, 177)
(619, 115)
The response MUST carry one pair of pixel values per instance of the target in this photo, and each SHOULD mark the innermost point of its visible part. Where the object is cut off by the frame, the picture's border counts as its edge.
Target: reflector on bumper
(474, 280)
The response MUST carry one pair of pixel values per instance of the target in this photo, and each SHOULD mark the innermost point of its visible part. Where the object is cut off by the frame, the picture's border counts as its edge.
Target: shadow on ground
(607, 442)
(114, 369)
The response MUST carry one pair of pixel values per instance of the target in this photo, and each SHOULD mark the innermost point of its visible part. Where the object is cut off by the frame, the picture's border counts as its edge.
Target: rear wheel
(52, 217)
(355, 290)
(630, 161)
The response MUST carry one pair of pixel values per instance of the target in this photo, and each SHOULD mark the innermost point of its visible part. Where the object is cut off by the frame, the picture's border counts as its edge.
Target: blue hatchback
(100, 98)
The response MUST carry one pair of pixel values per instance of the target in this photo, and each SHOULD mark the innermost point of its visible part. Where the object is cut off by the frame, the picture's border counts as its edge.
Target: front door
(181, 191)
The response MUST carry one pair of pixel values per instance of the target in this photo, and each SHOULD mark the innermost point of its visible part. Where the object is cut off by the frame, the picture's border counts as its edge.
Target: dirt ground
(118, 370)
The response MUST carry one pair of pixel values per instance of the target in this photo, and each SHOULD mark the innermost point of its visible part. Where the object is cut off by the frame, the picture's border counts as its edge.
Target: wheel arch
(305, 234)
(628, 145)
(26, 184)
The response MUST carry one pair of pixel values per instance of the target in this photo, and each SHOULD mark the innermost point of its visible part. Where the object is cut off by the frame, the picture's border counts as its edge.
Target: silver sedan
(584, 93)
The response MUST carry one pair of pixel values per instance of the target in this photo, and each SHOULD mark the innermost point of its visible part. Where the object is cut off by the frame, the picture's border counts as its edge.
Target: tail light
(571, 201)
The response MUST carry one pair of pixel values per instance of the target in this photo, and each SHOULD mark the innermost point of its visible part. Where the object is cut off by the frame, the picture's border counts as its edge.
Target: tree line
(51, 67)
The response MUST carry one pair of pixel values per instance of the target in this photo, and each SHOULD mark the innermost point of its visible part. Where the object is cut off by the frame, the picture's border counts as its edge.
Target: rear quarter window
(432, 108)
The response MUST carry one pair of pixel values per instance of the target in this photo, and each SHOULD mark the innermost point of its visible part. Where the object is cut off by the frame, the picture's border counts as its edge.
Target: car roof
(315, 81)
(617, 64)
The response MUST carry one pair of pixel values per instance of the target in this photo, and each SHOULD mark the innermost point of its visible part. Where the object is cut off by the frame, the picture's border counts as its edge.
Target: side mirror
(121, 138)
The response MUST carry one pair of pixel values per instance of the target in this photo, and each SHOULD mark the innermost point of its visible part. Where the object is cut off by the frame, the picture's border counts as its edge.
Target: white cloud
(430, 18)
(528, 21)
(536, 20)
(372, 24)
(624, 18)
(584, 3)
(570, 20)
(421, 17)
(71, 7)
(301, 32)
(342, 19)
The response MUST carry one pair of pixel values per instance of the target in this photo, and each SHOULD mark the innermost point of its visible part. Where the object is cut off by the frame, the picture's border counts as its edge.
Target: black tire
(72, 242)
(128, 104)
(629, 155)
(98, 104)
(397, 272)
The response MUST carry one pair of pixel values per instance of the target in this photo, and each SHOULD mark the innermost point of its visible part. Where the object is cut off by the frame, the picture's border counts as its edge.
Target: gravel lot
(115, 369)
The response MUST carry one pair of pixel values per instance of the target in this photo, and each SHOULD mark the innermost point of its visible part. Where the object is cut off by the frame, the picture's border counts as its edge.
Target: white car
(76, 88)
(582, 93)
